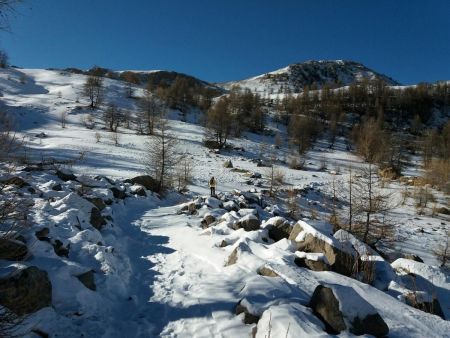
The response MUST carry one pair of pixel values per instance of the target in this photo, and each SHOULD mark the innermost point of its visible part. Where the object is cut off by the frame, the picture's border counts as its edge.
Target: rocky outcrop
(26, 290)
(12, 250)
(146, 181)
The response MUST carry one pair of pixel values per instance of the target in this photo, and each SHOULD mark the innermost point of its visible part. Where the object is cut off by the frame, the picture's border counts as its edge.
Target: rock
(280, 229)
(65, 176)
(120, 194)
(43, 234)
(97, 220)
(60, 249)
(359, 315)
(267, 271)
(208, 220)
(336, 254)
(248, 317)
(190, 207)
(326, 306)
(57, 187)
(17, 181)
(88, 280)
(138, 191)
(256, 175)
(230, 206)
(443, 210)
(25, 291)
(223, 244)
(97, 201)
(12, 250)
(311, 264)
(233, 257)
(433, 306)
(146, 181)
(228, 164)
(413, 258)
(249, 223)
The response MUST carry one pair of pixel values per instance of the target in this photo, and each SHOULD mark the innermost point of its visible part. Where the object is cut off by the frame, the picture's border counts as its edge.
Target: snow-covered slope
(295, 77)
(158, 272)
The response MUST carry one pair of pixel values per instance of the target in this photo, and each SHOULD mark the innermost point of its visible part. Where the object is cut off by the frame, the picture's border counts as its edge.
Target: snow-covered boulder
(278, 227)
(249, 223)
(146, 181)
(341, 307)
(340, 256)
(312, 261)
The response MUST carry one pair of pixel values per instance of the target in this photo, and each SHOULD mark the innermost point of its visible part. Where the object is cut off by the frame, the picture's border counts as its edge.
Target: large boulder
(339, 255)
(12, 250)
(341, 307)
(146, 181)
(27, 290)
(207, 220)
(312, 261)
(249, 223)
(279, 228)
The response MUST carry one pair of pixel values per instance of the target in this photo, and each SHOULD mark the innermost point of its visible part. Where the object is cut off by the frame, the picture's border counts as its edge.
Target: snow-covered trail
(177, 281)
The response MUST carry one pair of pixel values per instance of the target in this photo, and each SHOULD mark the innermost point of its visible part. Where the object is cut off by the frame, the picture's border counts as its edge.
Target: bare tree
(112, 117)
(218, 123)
(93, 90)
(63, 119)
(150, 112)
(442, 251)
(183, 172)
(161, 158)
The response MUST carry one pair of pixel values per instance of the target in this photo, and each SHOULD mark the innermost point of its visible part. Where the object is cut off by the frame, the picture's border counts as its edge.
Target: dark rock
(310, 264)
(325, 305)
(60, 249)
(17, 181)
(433, 307)
(12, 250)
(120, 194)
(372, 324)
(97, 220)
(65, 176)
(146, 181)
(88, 280)
(31, 190)
(413, 258)
(281, 229)
(98, 202)
(57, 187)
(43, 234)
(26, 290)
(248, 317)
(208, 220)
(139, 191)
(443, 210)
(223, 244)
(248, 223)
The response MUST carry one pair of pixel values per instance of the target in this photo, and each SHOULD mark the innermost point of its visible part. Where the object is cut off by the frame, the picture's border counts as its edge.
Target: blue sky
(220, 40)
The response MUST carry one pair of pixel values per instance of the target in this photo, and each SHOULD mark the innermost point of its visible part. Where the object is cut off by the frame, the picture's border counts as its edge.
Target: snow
(157, 272)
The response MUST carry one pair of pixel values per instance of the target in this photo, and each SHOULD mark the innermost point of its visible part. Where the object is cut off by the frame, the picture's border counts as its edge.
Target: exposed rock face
(326, 306)
(314, 265)
(17, 181)
(98, 202)
(267, 271)
(88, 280)
(280, 229)
(12, 250)
(97, 220)
(248, 317)
(359, 315)
(340, 261)
(26, 290)
(248, 223)
(146, 181)
(43, 234)
(65, 176)
(120, 194)
(208, 220)
(433, 307)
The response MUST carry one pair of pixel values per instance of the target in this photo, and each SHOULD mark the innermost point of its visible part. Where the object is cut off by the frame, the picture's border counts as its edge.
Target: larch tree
(93, 90)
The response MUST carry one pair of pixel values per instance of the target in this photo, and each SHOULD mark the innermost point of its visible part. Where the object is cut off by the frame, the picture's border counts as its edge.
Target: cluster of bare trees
(233, 114)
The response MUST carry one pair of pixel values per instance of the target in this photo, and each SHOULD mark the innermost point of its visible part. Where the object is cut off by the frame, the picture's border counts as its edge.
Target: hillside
(295, 77)
(106, 256)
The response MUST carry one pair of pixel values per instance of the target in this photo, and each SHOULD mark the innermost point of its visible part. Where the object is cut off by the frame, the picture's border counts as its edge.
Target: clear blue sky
(219, 40)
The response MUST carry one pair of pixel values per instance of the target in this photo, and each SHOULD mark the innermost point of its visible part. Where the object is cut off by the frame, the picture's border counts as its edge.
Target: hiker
(212, 186)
